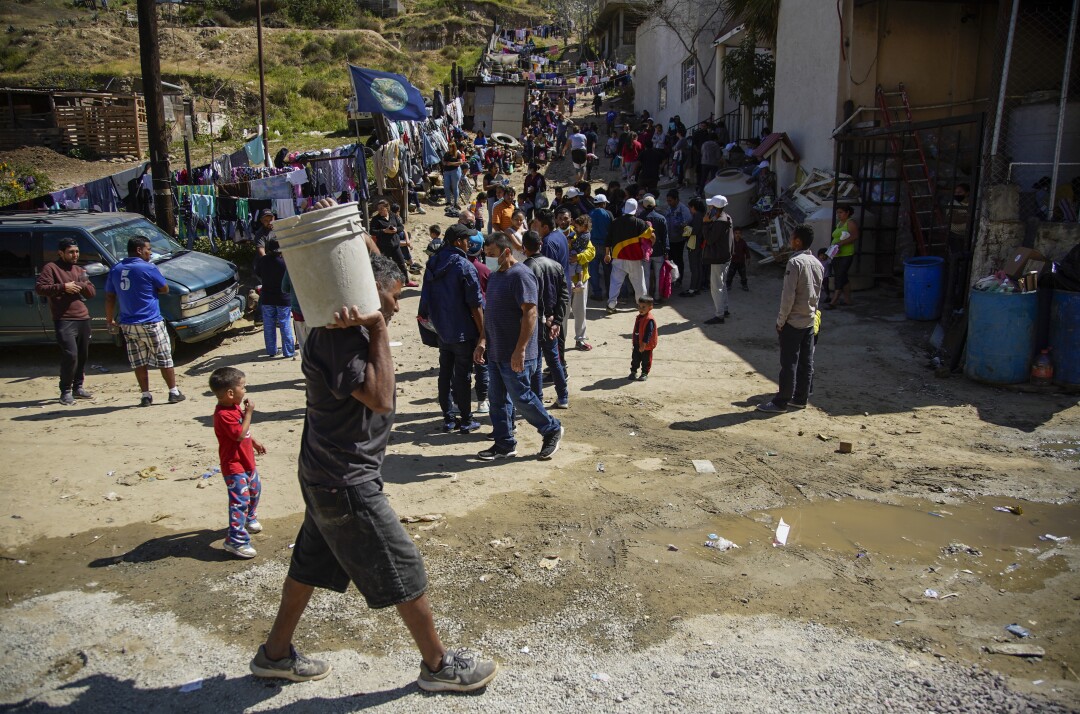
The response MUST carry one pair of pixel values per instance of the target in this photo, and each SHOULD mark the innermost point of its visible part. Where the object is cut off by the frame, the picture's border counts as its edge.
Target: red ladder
(913, 169)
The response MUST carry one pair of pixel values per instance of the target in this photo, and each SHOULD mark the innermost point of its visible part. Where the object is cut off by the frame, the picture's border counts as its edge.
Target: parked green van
(202, 300)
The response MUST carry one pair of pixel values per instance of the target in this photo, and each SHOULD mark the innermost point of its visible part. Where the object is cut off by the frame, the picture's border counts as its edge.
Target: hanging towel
(254, 151)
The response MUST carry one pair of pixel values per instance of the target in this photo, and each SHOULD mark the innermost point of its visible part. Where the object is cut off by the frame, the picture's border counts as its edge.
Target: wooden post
(155, 117)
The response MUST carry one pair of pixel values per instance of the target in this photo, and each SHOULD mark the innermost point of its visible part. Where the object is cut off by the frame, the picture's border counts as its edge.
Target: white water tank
(1031, 139)
(741, 196)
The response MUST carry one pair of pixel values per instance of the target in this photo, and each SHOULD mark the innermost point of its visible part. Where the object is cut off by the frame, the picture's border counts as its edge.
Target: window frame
(688, 70)
(662, 94)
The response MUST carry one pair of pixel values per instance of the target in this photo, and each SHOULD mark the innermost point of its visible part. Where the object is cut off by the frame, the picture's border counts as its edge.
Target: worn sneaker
(611, 310)
(632, 376)
(296, 667)
(469, 428)
(771, 408)
(584, 346)
(796, 405)
(80, 393)
(715, 321)
(494, 453)
(483, 407)
(146, 401)
(240, 550)
(461, 672)
(550, 445)
(560, 405)
(176, 398)
(66, 399)
(253, 526)
(644, 377)
(450, 426)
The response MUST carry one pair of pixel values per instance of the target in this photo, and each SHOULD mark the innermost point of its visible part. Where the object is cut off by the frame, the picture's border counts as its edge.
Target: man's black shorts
(352, 533)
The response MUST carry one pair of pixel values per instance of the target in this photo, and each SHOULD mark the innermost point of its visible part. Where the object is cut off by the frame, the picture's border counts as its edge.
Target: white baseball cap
(571, 192)
(599, 198)
(717, 201)
(648, 200)
(630, 206)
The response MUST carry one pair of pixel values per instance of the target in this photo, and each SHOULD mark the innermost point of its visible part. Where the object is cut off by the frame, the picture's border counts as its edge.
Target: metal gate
(869, 159)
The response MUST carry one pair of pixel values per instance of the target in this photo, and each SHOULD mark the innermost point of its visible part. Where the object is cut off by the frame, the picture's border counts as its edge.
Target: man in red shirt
(67, 287)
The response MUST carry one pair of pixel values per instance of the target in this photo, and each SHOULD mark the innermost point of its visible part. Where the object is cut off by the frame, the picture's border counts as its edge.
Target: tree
(759, 16)
(688, 20)
(750, 74)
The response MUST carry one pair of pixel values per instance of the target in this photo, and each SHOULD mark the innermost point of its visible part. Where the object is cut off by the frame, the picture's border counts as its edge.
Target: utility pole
(262, 82)
(155, 116)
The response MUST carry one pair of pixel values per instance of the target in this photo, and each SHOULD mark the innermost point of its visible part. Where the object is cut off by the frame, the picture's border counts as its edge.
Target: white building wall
(659, 54)
(808, 104)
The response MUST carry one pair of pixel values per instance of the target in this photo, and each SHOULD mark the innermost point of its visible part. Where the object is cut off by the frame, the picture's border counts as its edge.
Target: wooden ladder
(913, 169)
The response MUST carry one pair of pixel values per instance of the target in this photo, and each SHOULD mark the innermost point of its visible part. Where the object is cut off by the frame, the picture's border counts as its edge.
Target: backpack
(717, 245)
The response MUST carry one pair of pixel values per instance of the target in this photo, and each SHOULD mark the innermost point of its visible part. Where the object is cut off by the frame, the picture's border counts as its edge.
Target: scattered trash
(1056, 539)
(712, 536)
(782, 532)
(1037, 681)
(201, 484)
(1012, 567)
(672, 547)
(930, 593)
(427, 518)
(703, 466)
(770, 453)
(111, 473)
(292, 545)
(1019, 631)
(99, 368)
(395, 344)
(111, 496)
(600, 467)
(1015, 510)
(954, 548)
(633, 433)
(191, 686)
(845, 447)
(860, 554)
(720, 543)
(900, 622)
(429, 526)
(216, 470)
(149, 472)
(549, 562)
(524, 650)
(823, 437)
(17, 561)
(484, 578)
(1016, 649)
(601, 677)
(454, 478)
(935, 514)
(159, 517)
(207, 475)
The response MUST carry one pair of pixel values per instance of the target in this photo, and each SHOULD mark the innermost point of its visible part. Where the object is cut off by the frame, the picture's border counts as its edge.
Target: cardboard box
(1017, 264)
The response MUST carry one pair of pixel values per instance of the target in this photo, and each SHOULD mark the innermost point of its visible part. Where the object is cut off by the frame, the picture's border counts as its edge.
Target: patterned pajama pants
(244, 493)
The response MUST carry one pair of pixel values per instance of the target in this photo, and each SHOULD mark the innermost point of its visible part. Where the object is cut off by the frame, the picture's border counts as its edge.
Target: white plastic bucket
(328, 262)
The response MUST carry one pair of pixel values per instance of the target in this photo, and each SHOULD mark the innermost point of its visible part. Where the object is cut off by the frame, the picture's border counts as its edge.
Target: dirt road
(586, 576)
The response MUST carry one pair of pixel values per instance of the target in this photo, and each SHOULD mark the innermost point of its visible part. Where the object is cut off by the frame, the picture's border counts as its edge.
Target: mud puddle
(1005, 548)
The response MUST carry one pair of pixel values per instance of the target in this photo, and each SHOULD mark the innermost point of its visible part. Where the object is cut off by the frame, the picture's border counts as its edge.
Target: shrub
(315, 89)
(19, 183)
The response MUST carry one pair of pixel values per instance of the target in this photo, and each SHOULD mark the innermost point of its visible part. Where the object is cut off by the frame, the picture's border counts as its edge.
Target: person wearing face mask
(512, 354)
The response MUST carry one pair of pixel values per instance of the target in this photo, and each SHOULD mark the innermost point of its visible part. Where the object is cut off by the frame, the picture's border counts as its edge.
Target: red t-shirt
(236, 455)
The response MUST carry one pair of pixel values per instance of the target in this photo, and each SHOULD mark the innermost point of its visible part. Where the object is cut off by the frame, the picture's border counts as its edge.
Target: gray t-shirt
(344, 441)
(507, 291)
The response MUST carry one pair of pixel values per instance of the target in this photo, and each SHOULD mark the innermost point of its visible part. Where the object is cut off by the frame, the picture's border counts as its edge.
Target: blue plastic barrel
(1065, 337)
(1001, 336)
(923, 287)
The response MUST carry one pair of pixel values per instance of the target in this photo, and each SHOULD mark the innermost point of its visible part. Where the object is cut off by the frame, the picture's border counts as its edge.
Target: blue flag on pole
(387, 93)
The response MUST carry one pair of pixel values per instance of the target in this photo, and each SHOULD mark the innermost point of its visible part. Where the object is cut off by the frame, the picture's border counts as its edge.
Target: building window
(661, 92)
(689, 78)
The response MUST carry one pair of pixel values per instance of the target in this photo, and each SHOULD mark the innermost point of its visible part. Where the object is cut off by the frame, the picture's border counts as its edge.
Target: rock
(1016, 649)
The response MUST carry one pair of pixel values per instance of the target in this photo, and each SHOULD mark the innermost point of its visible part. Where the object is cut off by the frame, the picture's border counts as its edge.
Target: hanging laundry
(255, 151)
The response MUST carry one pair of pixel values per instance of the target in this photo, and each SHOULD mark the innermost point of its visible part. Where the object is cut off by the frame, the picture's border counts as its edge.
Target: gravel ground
(92, 653)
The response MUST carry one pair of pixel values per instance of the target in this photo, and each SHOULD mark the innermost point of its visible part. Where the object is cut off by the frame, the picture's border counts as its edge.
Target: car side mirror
(95, 269)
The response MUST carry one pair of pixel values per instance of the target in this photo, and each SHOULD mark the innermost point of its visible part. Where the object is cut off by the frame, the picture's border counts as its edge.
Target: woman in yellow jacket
(582, 251)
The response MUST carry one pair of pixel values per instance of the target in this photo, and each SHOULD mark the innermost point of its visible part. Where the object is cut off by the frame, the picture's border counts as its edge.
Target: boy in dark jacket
(644, 340)
(739, 254)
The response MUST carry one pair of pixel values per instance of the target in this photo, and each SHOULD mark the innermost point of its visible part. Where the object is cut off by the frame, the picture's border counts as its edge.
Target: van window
(115, 239)
(15, 255)
(88, 252)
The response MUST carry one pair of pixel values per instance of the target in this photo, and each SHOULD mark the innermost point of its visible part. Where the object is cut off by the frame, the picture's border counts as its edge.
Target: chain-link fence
(1033, 123)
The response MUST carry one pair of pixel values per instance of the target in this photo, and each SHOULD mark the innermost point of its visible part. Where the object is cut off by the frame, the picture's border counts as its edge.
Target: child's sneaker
(632, 376)
(253, 526)
(644, 376)
(461, 672)
(243, 550)
(483, 407)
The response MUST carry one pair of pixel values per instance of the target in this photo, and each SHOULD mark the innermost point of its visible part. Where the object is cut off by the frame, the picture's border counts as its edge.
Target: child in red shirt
(644, 339)
(236, 450)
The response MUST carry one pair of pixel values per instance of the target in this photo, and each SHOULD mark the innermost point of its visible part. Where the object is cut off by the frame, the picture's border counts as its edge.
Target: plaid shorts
(148, 345)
